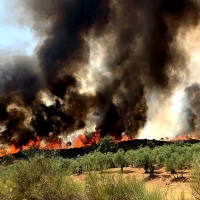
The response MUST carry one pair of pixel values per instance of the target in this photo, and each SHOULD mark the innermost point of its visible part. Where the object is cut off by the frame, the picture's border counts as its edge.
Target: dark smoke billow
(192, 103)
(142, 57)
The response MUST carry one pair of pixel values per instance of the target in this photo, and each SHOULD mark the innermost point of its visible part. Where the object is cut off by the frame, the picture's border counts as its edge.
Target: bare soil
(172, 188)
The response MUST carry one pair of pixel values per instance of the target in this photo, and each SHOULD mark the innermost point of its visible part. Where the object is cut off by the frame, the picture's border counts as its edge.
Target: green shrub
(7, 159)
(177, 158)
(120, 159)
(112, 187)
(130, 155)
(195, 178)
(73, 167)
(107, 144)
(145, 157)
(40, 178)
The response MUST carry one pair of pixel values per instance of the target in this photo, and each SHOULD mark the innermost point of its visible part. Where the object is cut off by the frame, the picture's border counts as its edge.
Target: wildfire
(12, 150)
(126, 138)
(182, 137)
(84, 140)
(186, 137)
(52, 143)
(38, 143)
(81, 141)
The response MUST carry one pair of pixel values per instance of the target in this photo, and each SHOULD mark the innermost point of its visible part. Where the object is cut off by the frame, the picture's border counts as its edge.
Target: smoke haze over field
(115, 66)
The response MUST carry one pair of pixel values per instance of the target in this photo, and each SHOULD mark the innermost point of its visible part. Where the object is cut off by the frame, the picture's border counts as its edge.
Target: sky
(15, 38)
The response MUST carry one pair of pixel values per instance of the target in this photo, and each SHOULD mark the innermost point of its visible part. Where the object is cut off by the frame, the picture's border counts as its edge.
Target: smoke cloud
(97, 61)
(193, 97)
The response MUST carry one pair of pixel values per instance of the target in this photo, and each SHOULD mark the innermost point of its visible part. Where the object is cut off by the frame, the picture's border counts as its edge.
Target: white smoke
(166, 116)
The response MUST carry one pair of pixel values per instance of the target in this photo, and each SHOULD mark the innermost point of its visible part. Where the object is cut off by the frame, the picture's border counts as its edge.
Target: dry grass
(172, 189)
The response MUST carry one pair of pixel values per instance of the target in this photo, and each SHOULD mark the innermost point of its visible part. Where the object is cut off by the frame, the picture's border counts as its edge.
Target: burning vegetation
(97, 67)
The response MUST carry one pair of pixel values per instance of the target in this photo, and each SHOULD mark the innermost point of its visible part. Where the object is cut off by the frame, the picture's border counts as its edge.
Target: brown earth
(173, 189)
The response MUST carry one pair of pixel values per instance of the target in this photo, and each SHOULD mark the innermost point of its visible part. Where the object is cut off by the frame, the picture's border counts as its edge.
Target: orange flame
(11, 150)
(180, 137)
(84, 140)
(56, 143)
(38, 143)
(126, 138)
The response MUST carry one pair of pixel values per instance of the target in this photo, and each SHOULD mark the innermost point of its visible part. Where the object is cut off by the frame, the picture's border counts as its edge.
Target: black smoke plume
(192, 103)
(139, 55)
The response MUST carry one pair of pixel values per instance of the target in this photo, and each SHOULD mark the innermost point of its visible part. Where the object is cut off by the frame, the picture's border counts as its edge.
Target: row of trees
(173, 157)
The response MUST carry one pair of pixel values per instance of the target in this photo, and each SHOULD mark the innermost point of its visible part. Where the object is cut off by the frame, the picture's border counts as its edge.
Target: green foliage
(96, 161)
(120, 159)
(109, 157)
(31, 152)
(34, 150)
(112, 187)
(179, 143)
(7, 159)
(73, 167)
(130, 155)
(160, 154)
(145, 157)
(45, 176)
(88, 164)
(101, 161)
(151, 143)
(107, 144)
(39, 178)
(177, 157)
(170, 165)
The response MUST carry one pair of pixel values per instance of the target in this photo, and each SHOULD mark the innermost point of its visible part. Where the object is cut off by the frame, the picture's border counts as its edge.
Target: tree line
(174, 157)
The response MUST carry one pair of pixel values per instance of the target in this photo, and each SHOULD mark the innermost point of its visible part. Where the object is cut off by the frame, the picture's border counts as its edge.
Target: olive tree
(107, 144)
(145, 157)
(120, 159)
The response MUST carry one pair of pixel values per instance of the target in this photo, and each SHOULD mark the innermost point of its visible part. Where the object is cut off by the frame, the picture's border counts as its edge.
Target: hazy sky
(15, 38)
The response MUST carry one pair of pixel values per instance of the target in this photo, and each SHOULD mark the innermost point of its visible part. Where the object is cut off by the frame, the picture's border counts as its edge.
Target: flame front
(38, 143)
(81, 141)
